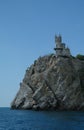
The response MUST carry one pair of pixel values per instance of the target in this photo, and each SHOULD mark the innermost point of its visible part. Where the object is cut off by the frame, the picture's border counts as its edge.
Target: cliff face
(52, 83)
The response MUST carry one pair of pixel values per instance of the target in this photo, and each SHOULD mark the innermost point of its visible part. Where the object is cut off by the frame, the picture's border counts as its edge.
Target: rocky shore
(52, 83)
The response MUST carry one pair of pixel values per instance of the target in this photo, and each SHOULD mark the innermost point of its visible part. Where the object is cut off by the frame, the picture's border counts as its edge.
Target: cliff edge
(52, 83)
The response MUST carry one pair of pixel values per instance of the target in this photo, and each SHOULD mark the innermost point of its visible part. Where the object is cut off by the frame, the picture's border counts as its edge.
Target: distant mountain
(52, 83)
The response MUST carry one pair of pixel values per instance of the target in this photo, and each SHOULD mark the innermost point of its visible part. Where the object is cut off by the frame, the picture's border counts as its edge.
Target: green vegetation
(80, 57)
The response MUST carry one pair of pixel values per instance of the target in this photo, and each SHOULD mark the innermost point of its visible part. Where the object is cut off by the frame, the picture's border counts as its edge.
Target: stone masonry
(61, 49)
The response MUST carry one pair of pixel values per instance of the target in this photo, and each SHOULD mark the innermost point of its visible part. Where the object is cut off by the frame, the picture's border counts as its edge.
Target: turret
(58, 39)
(61, 49)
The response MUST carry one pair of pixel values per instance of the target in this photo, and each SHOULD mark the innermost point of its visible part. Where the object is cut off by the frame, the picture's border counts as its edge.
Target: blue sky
(27, 30)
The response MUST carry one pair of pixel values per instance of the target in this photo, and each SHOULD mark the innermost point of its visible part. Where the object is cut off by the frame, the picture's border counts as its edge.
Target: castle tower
(58, 41)
(61, 49)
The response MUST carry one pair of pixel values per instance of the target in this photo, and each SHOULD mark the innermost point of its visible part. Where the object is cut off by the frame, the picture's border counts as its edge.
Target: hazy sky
(27, 30)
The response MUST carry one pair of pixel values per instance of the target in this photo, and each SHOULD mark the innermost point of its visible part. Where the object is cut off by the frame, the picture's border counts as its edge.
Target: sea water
(40, 120)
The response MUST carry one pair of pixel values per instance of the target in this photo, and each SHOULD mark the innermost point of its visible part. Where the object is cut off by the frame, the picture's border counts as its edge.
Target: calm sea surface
(40, 120)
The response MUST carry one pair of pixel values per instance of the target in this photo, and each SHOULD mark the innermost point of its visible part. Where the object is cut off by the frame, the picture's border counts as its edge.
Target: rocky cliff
(52, 83)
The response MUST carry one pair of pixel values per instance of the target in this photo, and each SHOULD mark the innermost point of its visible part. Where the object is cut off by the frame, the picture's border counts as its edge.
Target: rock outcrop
(52, 83)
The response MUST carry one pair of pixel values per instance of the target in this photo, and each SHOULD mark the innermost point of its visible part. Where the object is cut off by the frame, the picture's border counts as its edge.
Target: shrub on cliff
(80, 57)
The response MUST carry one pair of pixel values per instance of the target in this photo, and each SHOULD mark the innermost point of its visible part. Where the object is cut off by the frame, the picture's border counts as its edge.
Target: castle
(61, 49)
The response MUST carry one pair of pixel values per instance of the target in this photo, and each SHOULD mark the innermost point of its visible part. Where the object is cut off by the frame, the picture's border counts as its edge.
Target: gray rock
(52, 83)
